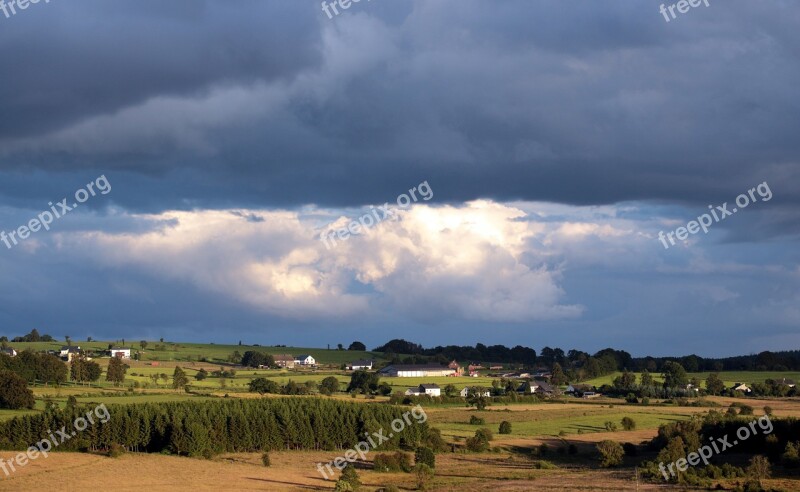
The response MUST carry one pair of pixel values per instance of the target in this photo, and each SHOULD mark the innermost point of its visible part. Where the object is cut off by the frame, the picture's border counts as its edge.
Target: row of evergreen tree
(212, 427)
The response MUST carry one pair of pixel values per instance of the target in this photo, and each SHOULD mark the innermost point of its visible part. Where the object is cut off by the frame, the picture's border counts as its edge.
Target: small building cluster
(288, 361)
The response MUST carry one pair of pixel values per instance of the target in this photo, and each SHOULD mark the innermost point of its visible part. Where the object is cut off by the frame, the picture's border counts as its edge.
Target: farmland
(549, 426)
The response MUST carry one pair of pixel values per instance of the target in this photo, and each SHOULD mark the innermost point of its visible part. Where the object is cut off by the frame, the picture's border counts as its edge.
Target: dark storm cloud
(69, 60)
(572, 102)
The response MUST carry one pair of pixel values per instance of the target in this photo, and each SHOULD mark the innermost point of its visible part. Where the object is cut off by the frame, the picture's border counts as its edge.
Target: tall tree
(558, 377)
(357, 346)
(116, 371)
(714, 385)
(674, 375)
(179, 379)
(646, 379)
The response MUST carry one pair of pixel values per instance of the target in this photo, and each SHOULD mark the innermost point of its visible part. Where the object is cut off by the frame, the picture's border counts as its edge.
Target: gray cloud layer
(269, 105)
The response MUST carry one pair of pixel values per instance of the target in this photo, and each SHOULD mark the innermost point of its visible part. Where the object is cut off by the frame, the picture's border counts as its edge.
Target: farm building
(357, 365)
(741, 387)
(416, 371)
(425, 389)
(284, 360)
(9, 352)
(121, 352)
(68, 353)
(537, 387)
(305, 360)
(484, 392)
(459, 371)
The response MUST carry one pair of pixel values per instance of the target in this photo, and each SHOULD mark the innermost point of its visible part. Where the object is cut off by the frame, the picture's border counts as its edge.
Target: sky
(557, 145)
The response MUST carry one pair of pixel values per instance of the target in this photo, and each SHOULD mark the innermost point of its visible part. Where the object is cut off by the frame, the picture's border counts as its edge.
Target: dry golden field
(509, 467)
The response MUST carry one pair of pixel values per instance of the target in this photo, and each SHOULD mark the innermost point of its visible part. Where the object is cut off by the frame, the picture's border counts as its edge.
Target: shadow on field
(294, 484)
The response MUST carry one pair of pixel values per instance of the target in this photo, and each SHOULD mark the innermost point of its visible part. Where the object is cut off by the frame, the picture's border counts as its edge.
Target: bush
(350, 476)
(424, 475)
(14, 392)
(116, 450)
(484, 434)
(425, 456)
(791, 455)
(505, 427)
(611, 426)
(611, 453)
(343, 486)
(768, 410)
(475, 420)
(628, 423)
(543, 465)
(396, 462)
(477, 445)
(265, 459)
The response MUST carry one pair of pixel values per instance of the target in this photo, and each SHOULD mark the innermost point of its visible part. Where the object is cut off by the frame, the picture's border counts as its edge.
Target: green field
(729, 377)
(187, 352)
(553, 420)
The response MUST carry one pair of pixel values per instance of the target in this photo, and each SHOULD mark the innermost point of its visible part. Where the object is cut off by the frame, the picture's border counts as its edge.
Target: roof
(429, 386)
(361, 362)
(71, 349)
(283, 357)
(304, 356)
(416, 367)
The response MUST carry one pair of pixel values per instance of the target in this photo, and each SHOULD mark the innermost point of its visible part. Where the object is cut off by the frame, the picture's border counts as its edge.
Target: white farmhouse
(121, 352)
(305, 360)
(425, 389)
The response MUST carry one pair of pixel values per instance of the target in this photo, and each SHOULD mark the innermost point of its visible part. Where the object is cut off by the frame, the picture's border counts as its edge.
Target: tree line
(580, 365)
(212, 427)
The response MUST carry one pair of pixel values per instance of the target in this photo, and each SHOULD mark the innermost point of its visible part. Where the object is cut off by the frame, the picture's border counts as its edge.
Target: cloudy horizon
(559, 141)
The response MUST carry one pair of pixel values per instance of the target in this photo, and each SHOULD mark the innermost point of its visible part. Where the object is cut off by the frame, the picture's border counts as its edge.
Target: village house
(459, 371)
(68, 353)
(579, 390)
(362, 364)
(786, 381)
(416, 371)
(9, 352)
(741, 387)
(284, 360)
(120, 352)
(425, 389)
(305, 360)
(536, 387)
(484, 392)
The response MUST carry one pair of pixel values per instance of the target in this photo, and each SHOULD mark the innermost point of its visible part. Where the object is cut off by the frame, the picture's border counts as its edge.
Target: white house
(121, 352)
(539, 387)
(741, 387)
(465, 392)
(9, 352)
(305, 360)
(425, 389)
(69, 353)
(362, 364)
